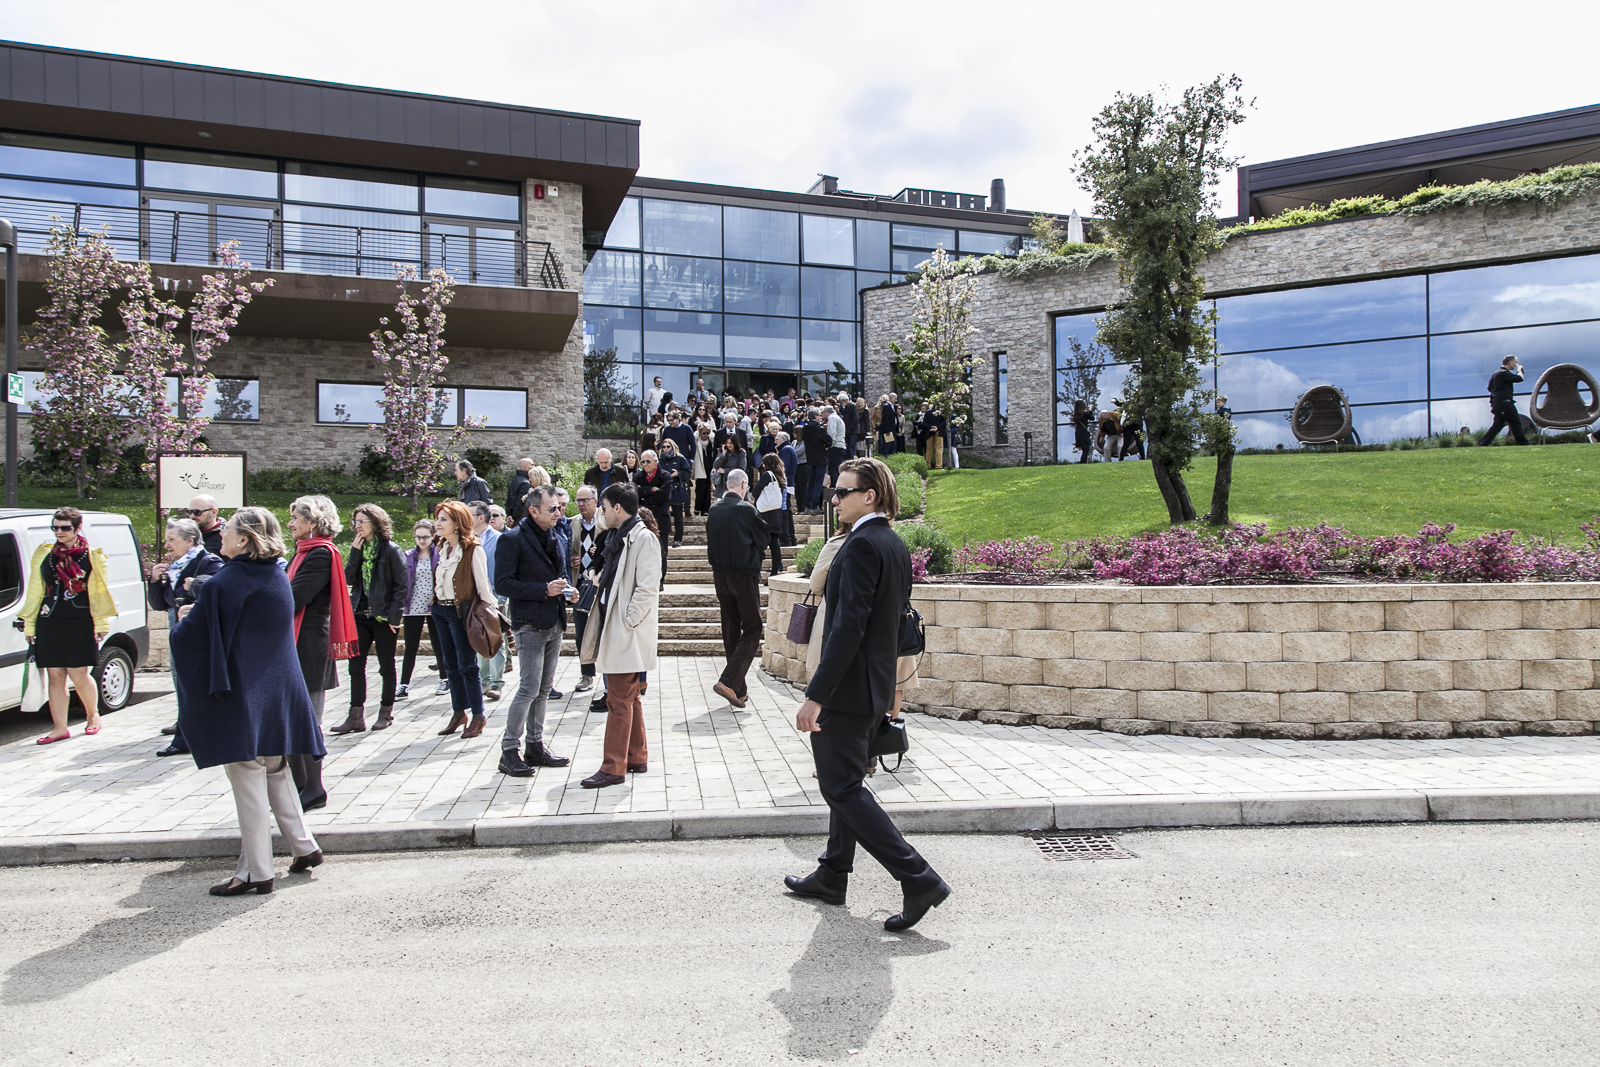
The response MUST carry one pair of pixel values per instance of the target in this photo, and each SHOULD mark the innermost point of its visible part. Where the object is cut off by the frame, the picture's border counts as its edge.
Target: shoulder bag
(801, 619)
(771, 498)
(485, 628)
(889, 739)
(913, 635)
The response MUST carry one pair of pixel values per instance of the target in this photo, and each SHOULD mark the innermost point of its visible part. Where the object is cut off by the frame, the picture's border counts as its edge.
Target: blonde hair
(538, 476)
(263, 537)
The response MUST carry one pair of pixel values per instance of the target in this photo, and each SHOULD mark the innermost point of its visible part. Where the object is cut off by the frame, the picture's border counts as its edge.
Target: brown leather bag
(485, 626)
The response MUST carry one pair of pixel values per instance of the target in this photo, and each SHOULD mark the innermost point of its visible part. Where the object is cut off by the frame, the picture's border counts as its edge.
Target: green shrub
(908, 484)
(373, 464)
(921, 535)
(901, 462)
(805, 561)
(486, 461)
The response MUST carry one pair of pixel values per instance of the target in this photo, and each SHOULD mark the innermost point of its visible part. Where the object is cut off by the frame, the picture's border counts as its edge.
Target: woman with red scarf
(324, 624)
(66, 614)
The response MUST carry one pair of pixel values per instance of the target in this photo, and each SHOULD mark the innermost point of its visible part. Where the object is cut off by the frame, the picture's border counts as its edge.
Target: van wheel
(114, 678)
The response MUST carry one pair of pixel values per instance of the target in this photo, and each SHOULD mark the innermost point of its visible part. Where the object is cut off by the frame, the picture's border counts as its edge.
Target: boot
(535, 754)
(385, 717)
(307, 773)
(354, 723)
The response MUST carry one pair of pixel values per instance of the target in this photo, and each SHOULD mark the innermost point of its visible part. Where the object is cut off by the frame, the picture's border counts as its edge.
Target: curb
(959, 817)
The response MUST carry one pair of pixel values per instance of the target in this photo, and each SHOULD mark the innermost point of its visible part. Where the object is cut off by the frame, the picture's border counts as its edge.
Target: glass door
(189, 230)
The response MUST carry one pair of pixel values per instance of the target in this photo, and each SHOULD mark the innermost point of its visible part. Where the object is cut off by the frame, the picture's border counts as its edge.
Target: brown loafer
(600, 779)
(456, 722)
(729, 695)
(478, 723)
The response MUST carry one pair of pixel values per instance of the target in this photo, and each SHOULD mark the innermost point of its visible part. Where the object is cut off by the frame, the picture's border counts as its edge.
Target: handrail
(273, 243)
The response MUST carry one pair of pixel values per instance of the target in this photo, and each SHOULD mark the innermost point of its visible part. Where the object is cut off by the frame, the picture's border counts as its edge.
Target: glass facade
(1412, 354)
(359, 404)
(684, 289)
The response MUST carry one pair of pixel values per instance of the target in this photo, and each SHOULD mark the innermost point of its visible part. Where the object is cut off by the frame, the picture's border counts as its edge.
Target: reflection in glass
(1452, 416)
(1462, 363)
(1385, 422)
(322, 183)
(675, 380)
(188, 231)
(827, 294)
(232, 400)
(769, 236)
(339, 402)
(472, 253)
(682, 282)
(613, 328)
(761, 288)
(624, 231)
(1369, 373)
(505, 408)
(928, 237)
(1064, 439)
(683, 337)
(750, 341)
(1517, 294)
(613, 278)
(203, 172)
(829, 240)
(872, 244)
(682, 227)
(32, 156)
(473, 199)
(822, 344)
(1353, 311)
(976, 242)
(1002, 399)
(870, 279)
(903, 260)
(1081, 328)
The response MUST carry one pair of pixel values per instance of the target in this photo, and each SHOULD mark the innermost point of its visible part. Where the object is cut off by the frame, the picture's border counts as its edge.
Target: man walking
(516, 510)
(492, 670)
(603, 474)
(819, 444)
(852, 689)
(529, 571)
(585, 561)
(628, 613)
(1502, 402)
(472, 488)
(736, 536)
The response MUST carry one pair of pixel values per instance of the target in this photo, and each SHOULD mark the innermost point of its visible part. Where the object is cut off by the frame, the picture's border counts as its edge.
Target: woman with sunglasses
(66, 614)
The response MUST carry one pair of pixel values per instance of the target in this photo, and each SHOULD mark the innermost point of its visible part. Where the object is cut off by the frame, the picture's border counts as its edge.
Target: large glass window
(761, 288)
(829, 240)
(827, 294)
(1463, 362)
(1516, 294)
(343, 402)
(203, 172)
(624, 231)
(976, 242)
(682, 227)
(769, 236)
(500, 408)
(613, 278)
(1002, 400)
(473, 199)
(617, 328)
(822, 344)
(1328, 314)
(31, 156)
(682, 282)
(683, 337)
(872, 244)
(928, 237)
(1372, 373)
(905, 259)
(762, 342)
(320, 183)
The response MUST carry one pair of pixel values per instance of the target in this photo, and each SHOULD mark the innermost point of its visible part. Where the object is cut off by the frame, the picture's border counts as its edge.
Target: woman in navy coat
(242, 699)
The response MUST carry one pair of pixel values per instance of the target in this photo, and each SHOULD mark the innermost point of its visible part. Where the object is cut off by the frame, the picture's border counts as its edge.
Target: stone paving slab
(718, 772)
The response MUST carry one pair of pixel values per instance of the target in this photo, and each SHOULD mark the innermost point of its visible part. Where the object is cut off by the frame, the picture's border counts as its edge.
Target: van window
(10, 570)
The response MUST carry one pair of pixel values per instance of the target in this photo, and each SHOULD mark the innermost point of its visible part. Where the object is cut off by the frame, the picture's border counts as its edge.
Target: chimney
(997, 195)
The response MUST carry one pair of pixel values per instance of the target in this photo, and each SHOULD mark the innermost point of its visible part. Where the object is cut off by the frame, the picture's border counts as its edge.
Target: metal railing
(269, 242)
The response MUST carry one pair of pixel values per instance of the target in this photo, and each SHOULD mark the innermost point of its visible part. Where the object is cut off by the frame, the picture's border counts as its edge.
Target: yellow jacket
(101, 606)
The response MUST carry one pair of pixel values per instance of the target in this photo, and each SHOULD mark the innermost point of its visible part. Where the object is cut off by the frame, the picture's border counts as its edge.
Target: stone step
(700, 614)
(665, 647)
(678, 631)
(681, 595)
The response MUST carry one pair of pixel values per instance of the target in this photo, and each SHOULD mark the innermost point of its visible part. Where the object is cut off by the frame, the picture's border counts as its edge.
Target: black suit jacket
(869, 586)
(516, 510)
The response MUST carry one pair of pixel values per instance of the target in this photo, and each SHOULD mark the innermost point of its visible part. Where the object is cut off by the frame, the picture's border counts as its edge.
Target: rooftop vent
(997, 195)
(937, 198)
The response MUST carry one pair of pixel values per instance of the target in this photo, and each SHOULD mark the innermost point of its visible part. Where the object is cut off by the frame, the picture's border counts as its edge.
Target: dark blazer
(212, 539)
(241, 693)
(680, 485)
(312, 586)
(869, 585)
(818, 441)
(595, 477)
(526, 561)
(655, 492)
(162, 594)
(722, 433)
(736, 536)
(516, 510)
(391, 581)
(473, 490)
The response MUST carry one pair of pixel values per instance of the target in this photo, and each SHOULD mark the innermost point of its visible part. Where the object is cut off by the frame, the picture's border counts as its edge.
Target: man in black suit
(852, 689)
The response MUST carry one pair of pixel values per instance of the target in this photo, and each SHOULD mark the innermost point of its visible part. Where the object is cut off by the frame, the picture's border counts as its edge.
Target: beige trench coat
(633, 610)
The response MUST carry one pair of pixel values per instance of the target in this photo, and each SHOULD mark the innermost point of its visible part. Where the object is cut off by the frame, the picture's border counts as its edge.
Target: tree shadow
(843, 985)
(175, 909)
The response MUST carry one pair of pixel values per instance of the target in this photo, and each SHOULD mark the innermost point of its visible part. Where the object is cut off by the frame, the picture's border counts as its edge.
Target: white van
(126, 647)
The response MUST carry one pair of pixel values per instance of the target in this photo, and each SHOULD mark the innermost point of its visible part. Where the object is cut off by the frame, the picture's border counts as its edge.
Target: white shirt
(652, 399)
(868, 518)
(444, 579)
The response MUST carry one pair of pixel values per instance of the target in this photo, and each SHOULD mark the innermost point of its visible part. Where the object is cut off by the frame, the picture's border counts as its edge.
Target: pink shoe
(91, 730)
(48, 740)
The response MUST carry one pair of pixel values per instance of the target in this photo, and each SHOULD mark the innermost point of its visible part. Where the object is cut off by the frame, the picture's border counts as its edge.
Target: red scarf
(342, 640)
(72, 566)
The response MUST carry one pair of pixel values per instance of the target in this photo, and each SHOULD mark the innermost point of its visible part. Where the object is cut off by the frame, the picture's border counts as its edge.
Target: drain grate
(1082, 847)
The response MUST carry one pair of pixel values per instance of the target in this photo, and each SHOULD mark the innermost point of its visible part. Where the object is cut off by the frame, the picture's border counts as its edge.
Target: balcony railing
(268, 242)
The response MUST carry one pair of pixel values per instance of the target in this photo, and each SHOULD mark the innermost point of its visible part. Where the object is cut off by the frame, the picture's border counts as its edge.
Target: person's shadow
(842, 987)
(175, 909)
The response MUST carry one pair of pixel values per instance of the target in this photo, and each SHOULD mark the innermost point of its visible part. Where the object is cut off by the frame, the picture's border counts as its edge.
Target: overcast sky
(885, 95)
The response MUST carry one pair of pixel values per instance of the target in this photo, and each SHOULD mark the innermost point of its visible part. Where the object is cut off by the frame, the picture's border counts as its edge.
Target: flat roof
(93, 94)
(857, 204)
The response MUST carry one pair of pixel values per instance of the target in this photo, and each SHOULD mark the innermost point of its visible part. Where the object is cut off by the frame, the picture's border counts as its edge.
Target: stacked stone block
(1302, 662)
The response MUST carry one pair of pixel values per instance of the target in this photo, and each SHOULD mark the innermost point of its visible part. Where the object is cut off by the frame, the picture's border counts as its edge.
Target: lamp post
(1027, 448)
(8, 237)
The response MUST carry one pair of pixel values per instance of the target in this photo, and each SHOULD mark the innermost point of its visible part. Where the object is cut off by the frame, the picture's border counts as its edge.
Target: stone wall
(1015, 316)
(1300, 662)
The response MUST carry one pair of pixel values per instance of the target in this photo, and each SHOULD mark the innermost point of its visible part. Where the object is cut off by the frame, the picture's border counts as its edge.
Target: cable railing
(269, 242)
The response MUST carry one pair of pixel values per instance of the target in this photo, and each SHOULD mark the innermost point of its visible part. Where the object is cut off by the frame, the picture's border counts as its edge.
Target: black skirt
(65, 637)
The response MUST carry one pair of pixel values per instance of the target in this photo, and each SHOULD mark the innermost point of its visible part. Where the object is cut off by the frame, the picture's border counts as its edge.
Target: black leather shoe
(535, 754)
(812, 885)
(230, 889)
(169, 730)
(302, 864)
(172, 750)
(597, 706)
(914, 908)
(512, 765)
(601, 779)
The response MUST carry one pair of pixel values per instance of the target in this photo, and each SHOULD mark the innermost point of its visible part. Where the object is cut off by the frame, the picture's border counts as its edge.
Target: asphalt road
(1430, 944)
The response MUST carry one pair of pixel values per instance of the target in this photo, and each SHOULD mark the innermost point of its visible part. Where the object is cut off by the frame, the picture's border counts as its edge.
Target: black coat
(869, 586)
(312, 585)
(474, 490)
(212, 539)
(164, 595)
(736, 536)
(526, 561)
(516, 509)
(722, 433)
(773, 518)
(386, 599)
(680, 484)
(594, 476)
(655, 493)
(818, 441)
(852, 420)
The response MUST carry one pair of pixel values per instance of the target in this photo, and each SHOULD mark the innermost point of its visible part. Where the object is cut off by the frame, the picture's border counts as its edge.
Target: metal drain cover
(1082, 847)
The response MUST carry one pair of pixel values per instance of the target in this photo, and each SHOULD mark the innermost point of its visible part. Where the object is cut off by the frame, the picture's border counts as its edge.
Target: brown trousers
(625, 742)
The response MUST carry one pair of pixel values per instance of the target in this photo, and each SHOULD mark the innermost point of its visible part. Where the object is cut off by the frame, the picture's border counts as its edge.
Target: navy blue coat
(241, 694)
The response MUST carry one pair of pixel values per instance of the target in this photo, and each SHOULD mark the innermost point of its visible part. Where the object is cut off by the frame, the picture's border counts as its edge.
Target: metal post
(8, 237)
(1027, 447)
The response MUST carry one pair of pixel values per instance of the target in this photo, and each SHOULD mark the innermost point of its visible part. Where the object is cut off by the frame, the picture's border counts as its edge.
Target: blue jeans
(836, 456)
(465, 690)
(814, 484)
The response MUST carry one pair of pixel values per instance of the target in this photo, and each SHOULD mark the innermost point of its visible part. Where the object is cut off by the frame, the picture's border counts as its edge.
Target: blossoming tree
(934, 363)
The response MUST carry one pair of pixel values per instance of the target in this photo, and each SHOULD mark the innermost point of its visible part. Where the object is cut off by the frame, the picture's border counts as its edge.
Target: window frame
(458, 389)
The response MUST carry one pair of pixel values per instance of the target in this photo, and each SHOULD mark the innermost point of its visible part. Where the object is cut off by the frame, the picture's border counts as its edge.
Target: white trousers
(260, 785)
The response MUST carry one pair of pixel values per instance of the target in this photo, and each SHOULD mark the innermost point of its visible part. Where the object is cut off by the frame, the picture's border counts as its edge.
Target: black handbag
(889, 739)
(913, 635)
(586, 594)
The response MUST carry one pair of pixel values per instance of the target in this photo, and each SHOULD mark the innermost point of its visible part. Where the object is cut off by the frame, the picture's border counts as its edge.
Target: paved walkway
(706, 757)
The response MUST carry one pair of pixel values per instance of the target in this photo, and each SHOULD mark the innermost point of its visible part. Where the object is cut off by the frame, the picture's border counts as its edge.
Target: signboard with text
(183, 476)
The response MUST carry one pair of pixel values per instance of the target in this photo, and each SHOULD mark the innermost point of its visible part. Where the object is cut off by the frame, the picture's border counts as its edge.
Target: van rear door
(13, 646)
(113, 534)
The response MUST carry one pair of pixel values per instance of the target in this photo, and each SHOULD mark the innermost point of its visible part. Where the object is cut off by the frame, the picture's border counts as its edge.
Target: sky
(884, 95)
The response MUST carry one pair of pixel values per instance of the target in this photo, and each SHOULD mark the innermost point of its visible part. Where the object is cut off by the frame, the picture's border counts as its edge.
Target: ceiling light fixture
(204, 134)
(472, 162)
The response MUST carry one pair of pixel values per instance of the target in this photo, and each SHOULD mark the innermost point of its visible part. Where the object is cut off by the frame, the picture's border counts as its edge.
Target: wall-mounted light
(204, 134)
(472, 162)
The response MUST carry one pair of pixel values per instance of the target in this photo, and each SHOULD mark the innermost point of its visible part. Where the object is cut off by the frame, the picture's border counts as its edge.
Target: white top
(444, 579)
(836, 430)
(856, 525)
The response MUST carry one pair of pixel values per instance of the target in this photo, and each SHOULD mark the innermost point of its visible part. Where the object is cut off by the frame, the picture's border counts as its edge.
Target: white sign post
(182, 476)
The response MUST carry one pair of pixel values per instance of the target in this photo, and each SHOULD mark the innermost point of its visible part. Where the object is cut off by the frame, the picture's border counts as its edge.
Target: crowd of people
(1115, 433)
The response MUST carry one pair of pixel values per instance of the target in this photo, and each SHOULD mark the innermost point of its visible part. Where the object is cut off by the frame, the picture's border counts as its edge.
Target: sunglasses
(846, 490)
(195, 513)
(63, 529)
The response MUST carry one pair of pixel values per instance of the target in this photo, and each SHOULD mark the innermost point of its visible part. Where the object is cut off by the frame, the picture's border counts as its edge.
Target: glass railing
(268, 242)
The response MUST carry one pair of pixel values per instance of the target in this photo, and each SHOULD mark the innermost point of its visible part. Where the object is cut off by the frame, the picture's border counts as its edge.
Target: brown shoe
(478, 723)
(729, 695)
(457, 720)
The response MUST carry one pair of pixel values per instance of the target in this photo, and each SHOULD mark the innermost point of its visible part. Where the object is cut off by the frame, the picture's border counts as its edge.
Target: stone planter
(1424, 660)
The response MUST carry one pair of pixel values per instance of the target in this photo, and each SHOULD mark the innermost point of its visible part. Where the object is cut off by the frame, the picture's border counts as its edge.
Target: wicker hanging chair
(1563, 406)
(1321, 416)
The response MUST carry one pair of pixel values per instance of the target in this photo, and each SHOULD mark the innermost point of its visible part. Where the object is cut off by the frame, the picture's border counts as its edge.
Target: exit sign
(14, 391)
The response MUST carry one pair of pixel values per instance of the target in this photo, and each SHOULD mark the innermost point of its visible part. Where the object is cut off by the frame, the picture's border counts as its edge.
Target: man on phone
(1502, 402)
(529, 571)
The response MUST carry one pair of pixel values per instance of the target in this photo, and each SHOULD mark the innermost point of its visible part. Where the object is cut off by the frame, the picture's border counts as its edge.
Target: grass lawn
(1547, 491)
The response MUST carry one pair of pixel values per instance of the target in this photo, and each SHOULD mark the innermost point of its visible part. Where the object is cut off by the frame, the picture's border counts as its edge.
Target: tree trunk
(1174, 493)
(1220, 491)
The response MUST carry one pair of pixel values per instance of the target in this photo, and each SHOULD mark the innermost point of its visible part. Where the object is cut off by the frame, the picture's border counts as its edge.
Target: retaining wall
(1301, 662)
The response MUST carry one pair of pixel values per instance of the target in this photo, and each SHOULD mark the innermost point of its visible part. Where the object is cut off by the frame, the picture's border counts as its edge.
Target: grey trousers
(260, 785)
(538, 652)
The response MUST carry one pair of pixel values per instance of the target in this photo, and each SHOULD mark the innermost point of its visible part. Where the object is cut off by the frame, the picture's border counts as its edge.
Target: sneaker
(512, 764)
(677, 544)
(444, 686)
(555, 694)
(402, 692)
(492, 693)
(585, 684)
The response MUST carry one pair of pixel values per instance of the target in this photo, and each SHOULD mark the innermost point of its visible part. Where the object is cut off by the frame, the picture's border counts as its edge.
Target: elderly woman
(324, 624)
(242, 700)
(461, 577)
(678, 470)
(376, 576)
(704, 456)
(65, 615)
(172, 586)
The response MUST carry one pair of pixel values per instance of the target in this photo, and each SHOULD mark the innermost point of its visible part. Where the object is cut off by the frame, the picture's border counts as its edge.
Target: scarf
(71, 566)
(342, 640)
(614, 546)
(177, 565)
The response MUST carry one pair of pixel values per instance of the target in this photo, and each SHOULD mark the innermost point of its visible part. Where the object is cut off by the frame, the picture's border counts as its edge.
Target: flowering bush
(1018, 561)
(919, 563)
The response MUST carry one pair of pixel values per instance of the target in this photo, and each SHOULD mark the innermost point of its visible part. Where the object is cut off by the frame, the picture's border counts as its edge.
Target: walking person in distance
(376, 577)
(1502, 402)
(853, 689)
(461, 577)
(736, 534)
